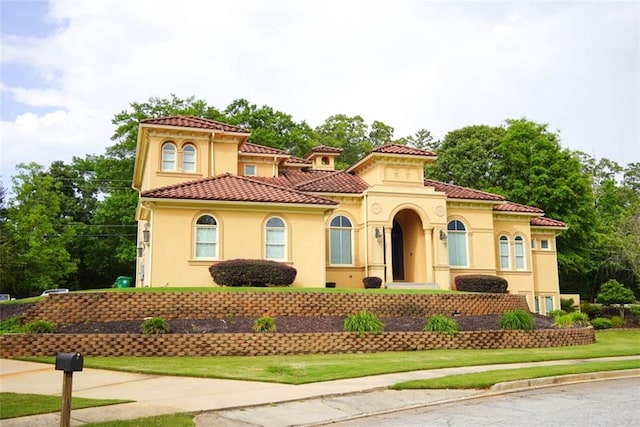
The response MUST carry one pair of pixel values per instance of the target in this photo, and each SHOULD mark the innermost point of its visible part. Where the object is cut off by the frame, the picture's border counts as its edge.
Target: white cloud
(434, 65)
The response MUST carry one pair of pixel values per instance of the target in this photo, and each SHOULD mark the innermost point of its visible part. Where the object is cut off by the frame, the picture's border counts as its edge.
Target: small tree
(614, 293)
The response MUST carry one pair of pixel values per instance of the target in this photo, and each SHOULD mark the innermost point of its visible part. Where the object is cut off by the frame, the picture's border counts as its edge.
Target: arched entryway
(408, 256)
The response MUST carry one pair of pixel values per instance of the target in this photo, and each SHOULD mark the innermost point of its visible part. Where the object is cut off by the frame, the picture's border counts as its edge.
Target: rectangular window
(275, 244)
(519, 255)
(249, 170)
(544, 244)
(206, 243)
(457, 249)
(536, 302)
(548, 304)
(533, 243)
(340, 246)
(504, 254)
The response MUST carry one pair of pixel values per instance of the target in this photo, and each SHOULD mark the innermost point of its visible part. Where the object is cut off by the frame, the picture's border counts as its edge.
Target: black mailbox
(69, 362)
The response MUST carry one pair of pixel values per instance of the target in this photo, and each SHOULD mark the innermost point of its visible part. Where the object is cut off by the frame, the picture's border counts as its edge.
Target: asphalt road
(600, 403)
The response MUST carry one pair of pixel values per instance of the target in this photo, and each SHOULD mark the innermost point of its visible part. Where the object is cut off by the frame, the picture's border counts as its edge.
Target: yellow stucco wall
(240, 235)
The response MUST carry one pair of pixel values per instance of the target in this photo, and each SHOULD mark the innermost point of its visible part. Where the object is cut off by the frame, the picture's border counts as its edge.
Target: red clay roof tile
(547, 222)
(456, 192)
(194, 122)
(229, 187)
(320, 181)
(249, 148)
(516, 207)
(323, 149)
(402, 149)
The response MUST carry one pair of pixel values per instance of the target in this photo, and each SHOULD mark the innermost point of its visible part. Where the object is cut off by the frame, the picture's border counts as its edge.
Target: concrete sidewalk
(236, 403)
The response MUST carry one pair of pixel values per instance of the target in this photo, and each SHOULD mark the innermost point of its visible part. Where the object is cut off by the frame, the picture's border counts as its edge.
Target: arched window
(457, 242)
(206, 237)
(188, 158)
(325, 160)
(504, 253)
(519, 247)
(168, 156)
(340, 238)
(275, 239)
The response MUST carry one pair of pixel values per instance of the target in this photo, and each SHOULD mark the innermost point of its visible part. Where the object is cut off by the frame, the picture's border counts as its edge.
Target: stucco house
(207, 194)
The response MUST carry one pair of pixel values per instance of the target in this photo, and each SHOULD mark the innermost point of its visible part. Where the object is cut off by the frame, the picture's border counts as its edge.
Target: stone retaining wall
(107, 306)
(246, 344)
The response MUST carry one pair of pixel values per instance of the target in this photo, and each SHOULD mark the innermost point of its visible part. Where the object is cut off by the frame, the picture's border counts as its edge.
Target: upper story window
(168, 156)
(188, 158)
(504, 252)
(340, 241)
(325, 160)
(275, 239)
(544, 244)
(457, 242)
(206, 237)
(519, 249)
(249, 170)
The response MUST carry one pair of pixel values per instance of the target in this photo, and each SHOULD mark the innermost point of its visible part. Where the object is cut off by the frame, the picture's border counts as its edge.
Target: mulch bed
(283, 324)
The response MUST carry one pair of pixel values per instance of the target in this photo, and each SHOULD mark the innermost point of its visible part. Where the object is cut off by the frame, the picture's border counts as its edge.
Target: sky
(68, 66)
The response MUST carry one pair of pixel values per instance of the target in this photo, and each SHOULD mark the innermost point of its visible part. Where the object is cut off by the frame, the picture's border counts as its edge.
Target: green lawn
(20, 404)
(301, 369)
(482, 380)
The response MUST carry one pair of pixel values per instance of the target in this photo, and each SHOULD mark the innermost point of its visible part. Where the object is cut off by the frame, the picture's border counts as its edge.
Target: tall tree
(422, 140)
(40, 230)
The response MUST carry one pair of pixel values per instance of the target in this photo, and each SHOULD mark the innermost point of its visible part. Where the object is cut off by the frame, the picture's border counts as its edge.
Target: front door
(397, 251)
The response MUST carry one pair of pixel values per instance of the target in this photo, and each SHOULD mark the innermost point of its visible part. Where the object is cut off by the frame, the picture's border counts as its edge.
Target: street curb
(496, 390)
(563, 379)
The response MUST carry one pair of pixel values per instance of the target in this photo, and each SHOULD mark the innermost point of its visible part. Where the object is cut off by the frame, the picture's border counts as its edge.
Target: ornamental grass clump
(442, 325)
(40, 327)
(363, 322)
(264, 324)
(517, 319)
(571, 319)
(155, 325)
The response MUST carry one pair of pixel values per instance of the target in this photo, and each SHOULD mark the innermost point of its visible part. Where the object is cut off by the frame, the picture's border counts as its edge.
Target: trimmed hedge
(481, 283)
(252, 272)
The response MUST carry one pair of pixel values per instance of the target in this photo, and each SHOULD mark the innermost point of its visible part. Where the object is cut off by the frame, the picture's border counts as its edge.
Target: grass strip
(309, 368)
(23, 404)
(484, 380)
(173, 420)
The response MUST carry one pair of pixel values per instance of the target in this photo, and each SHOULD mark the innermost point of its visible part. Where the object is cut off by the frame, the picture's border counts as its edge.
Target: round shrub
(617, 322)
(517, 319)
(264, 324)
(252, 272)
(40, 327)
(591, 310)
(634, 310)
(442, 325)
(600, 323)
(362, 323)
(155, 325)
(481, 283)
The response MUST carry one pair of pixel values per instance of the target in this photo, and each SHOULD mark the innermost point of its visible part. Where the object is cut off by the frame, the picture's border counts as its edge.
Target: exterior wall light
(378, 234)
(443, 236)
(146, 233)
(140, 250)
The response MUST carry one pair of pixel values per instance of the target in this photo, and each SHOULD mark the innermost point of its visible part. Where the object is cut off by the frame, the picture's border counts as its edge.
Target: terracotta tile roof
(194, 122)
(229, 187)
(297, 161)
(402, 149)
(547, 222)
(249, 148)
(323, 149)
(457, 192)
(319, 181)
(516, 207)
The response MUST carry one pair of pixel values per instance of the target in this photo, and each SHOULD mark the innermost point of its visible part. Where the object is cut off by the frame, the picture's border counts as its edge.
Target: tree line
(73, 224)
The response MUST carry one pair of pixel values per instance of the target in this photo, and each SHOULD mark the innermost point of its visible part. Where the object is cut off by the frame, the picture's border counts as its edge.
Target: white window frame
(186, 149)
(248, 172)
(545, 242)
(197, 242)
(520, 259)
(453, 236)
(165, 155)
(341, 230)
(504, 252)
(270, 230)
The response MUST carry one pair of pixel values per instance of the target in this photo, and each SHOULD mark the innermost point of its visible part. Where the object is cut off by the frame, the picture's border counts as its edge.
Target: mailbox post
(69, 363)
